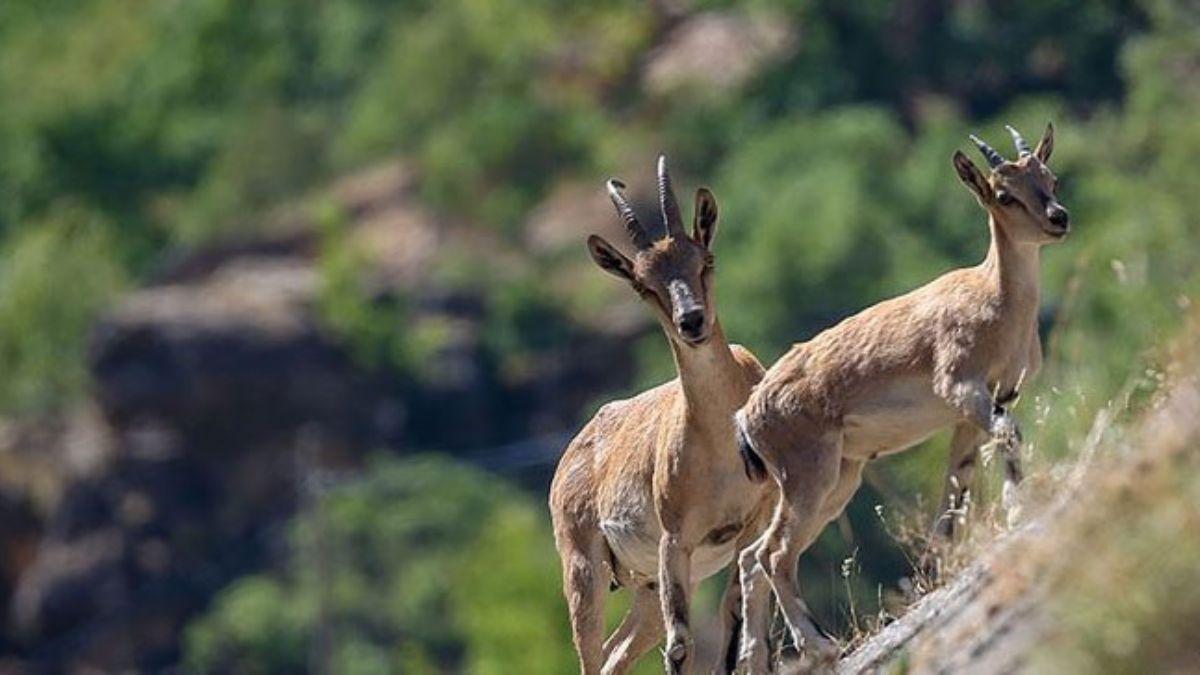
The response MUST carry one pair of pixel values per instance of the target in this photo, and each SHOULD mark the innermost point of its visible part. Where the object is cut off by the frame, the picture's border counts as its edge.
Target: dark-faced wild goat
(951, 353)
(651, 494)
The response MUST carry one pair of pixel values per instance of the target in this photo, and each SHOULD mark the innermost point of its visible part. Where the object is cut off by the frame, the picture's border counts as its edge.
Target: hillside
(1116, 530)
(296, 314)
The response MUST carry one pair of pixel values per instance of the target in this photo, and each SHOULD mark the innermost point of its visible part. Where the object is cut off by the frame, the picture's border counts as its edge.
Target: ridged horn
(993, 158)
(672, 218)
(637, 233)
(1022, 147)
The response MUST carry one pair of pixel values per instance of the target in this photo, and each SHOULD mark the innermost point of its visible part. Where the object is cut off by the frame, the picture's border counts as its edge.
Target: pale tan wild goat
(951, 353)
(651, 494)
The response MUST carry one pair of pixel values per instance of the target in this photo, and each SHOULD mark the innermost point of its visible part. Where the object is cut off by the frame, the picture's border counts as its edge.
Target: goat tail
(752, 461)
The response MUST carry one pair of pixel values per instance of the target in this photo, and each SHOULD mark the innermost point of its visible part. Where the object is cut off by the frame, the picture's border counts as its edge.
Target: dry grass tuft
(1102, 574)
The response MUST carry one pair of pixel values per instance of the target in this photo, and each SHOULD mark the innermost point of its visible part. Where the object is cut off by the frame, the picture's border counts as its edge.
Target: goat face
(673, 274)
(1021, 195)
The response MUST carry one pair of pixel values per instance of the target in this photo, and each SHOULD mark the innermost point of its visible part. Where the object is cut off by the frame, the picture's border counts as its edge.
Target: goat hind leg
(641, 629)
(783, 575)
(584, 583)
(754, 653)
(811, 477)
(675, 586)
(745, 608)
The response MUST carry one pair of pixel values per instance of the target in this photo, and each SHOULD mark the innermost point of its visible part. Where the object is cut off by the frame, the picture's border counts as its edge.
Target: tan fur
(651, 494)
(949, 353)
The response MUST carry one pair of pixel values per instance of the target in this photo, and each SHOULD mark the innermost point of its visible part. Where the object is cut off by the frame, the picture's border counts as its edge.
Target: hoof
(677, 651)
(676, 655)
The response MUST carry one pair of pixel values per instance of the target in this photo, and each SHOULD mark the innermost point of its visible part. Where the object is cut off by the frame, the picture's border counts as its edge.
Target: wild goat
(651, 494)
(952, 352)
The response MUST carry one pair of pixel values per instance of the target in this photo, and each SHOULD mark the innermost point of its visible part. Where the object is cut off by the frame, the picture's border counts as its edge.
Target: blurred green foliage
(352, 309)
(130, 127)
(464, 89)
(58, 273)
(424, 566)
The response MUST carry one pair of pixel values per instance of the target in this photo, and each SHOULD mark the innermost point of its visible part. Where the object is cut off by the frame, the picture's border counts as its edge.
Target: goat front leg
(972, 399)
(753, 649)
(960, 473)
(674, 580)
(1008, 436)
(640, 631)
(584, 585)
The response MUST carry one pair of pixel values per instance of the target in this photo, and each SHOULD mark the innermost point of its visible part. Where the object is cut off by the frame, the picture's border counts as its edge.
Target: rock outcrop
(219, 390)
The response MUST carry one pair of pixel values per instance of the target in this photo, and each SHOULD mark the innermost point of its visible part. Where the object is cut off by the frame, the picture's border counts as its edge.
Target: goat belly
(893, 417)
(636, 548)
(708, 559)
(634, 543)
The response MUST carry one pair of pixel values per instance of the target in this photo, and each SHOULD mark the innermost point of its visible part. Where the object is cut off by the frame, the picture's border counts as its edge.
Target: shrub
(423, 565)
(56, 276)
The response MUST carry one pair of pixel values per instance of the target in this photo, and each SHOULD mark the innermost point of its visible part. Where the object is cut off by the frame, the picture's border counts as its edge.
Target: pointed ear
(704, 222)
(610, 259)
(1046, 145)
(972, 177)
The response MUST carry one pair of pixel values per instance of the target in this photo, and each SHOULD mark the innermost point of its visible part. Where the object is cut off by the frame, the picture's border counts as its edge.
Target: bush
(425, 565)
(461, 89)
(57, 276)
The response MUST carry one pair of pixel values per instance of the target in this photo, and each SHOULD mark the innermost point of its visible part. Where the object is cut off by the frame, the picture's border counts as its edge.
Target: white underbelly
(635, 546)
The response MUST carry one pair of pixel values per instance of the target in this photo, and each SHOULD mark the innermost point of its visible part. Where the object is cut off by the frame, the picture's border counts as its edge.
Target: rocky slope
(1016, 607)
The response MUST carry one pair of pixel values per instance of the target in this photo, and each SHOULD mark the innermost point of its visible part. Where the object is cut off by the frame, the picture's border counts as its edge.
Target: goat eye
(709, 261)
(1004, 198)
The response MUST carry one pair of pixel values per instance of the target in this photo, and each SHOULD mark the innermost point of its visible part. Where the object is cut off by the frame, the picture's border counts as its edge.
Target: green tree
(425, 565)
(55, 279)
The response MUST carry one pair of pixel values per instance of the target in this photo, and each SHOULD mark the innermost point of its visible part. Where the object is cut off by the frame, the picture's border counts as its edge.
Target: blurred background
(296, 315)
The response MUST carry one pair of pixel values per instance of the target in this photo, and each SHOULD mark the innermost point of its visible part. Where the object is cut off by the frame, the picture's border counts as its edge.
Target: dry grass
(1051, 488)
(1126, 591)
(1103, 574)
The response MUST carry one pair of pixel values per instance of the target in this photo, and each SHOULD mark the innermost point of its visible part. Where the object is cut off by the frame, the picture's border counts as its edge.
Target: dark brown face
(675, 277)
(674, 274)
(1021, 195)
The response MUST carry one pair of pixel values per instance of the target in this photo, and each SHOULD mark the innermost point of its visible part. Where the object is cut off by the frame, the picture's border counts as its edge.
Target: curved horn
(672, 218)
(636, 232)
(1022, 147)
(993, 158)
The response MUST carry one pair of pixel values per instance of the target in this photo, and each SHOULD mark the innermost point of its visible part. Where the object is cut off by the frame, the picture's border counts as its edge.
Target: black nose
(691, 321)
(1058, 215)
